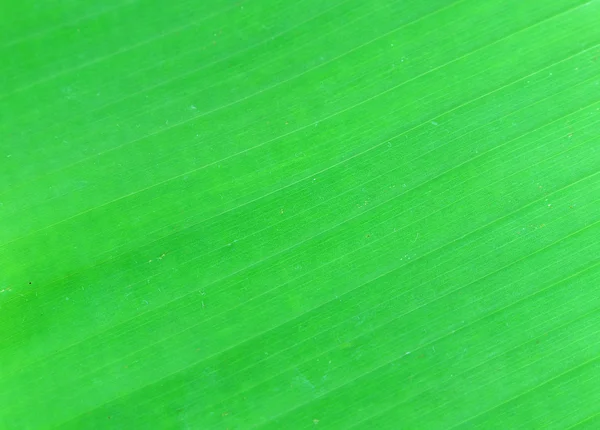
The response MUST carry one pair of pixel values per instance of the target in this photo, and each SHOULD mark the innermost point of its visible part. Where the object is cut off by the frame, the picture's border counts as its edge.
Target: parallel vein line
(312, 237)
(294, 131)
(429, 253)
(117, 52)
(363, 375)
(174, 125)
(503, 353)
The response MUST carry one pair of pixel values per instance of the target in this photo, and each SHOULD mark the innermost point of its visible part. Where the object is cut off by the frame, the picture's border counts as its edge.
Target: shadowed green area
(315, 214)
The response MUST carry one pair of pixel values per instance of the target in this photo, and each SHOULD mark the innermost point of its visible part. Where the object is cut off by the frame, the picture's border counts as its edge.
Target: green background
(272, 214)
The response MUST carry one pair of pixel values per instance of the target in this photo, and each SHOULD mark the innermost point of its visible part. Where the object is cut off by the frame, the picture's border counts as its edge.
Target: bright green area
(339, 214)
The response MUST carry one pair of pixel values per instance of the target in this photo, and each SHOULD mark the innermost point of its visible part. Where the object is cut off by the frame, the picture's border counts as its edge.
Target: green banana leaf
(340, 214)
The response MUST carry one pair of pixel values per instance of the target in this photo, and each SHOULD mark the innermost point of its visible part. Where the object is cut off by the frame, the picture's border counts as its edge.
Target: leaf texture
(284, 215)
